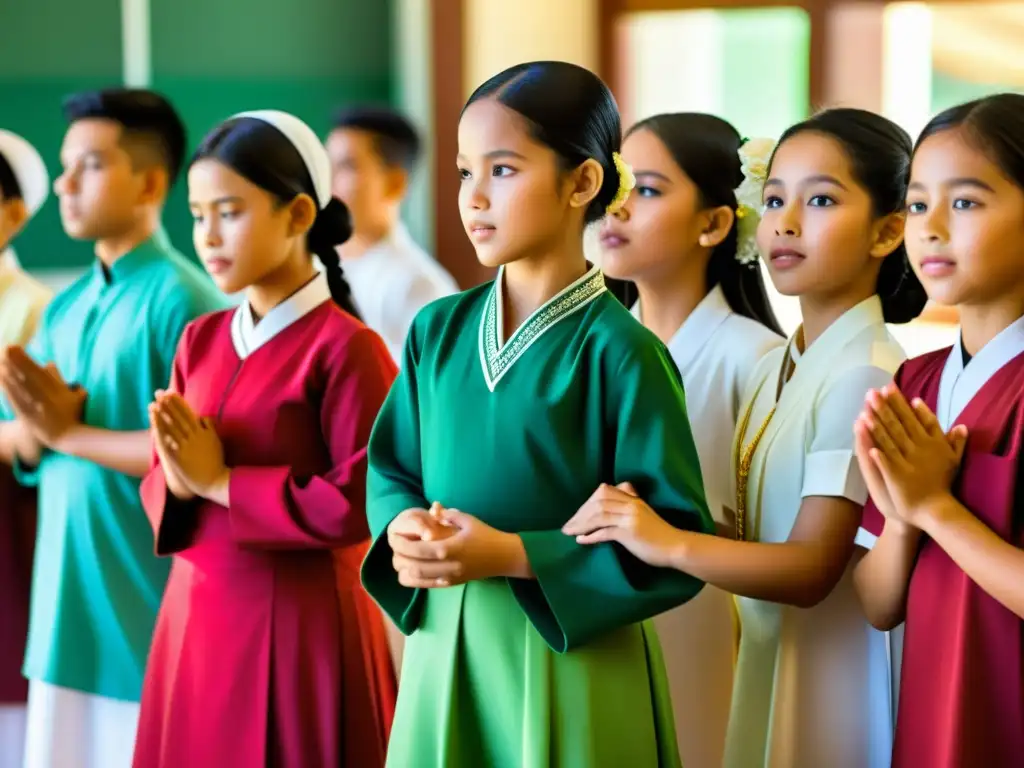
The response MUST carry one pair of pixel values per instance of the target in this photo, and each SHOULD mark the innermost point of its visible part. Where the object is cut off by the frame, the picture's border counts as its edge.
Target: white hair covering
(308, 144)
(29, 170)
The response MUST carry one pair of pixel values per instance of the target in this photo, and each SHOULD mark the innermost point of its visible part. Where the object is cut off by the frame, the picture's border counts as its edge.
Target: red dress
(962, 682)
(267, 651)
(17, 542)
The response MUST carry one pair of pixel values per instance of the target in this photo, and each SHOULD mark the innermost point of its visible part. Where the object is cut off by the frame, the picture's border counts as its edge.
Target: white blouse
(812, 685)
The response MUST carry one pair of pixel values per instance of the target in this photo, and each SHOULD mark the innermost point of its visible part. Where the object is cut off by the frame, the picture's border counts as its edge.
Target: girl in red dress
(940, 449)
(267, 651)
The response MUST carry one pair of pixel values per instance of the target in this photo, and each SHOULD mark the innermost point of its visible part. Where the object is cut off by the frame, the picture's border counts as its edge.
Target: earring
(704, 240)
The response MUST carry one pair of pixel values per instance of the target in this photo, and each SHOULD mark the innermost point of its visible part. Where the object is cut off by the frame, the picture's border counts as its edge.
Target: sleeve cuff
(865, 539)
(538, 596)
(834, 474)
(403, 605)
(254, 491)
(173, 521)
(26, 475)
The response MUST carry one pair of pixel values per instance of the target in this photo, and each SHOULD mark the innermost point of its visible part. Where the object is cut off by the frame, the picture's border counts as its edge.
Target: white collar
(959, 383)
(842, 331)
(699, 327)
(248, 336)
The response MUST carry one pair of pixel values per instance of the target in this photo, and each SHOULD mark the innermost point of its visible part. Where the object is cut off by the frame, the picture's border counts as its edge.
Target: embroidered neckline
(496, 358)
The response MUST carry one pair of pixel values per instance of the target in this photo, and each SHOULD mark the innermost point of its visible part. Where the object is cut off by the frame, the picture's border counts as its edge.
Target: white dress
(716, 351)
(391, 282)
(812, 685)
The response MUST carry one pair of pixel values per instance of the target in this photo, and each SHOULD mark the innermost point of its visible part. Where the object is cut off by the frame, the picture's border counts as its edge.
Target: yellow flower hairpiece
(627, 181)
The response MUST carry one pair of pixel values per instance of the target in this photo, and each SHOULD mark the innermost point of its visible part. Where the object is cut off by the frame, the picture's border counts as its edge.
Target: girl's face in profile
(514, 199)
(965, 222)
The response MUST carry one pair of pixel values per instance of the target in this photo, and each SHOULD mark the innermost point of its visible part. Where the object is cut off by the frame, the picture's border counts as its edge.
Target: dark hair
(395, 139)
(995, 124)
(266, 157)
(706, 148)
(144, 116)
(570, 110)
(10, 189)
(879, 152)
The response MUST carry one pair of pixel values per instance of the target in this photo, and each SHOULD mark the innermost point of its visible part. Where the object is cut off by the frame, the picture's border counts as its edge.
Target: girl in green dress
(515, 400)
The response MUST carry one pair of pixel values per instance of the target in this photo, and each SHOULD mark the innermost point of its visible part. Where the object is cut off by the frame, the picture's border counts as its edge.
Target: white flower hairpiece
(754, 157)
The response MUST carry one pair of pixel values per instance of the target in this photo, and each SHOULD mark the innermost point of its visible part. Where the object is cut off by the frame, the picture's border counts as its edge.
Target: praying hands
(906, 459)
(43, 402)
(190, 450)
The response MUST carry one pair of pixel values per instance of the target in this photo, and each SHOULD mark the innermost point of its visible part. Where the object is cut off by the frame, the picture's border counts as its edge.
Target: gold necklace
(745, 456)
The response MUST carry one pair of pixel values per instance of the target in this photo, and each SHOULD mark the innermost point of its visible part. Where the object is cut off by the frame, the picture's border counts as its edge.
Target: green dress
(563, 670)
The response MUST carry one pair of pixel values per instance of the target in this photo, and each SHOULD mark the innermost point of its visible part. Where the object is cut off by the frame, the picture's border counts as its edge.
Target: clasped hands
(907, 461)
(45, 405)
(617, 513)
(190, 450)
(442, 547)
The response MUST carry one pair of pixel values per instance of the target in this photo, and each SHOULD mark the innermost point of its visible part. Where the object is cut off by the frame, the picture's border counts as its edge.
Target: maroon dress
(962, 682)
(267, 651)
(17, 542)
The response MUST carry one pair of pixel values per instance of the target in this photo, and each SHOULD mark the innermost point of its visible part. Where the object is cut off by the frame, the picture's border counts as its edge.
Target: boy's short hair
(146, 117)
(395, 138)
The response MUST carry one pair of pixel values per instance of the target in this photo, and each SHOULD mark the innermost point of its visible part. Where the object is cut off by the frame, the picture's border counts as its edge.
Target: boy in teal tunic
(515, 400)
(81, 392)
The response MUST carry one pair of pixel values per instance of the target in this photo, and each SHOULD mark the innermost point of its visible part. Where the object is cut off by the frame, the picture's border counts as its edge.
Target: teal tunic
(562, 670)
(96, 583)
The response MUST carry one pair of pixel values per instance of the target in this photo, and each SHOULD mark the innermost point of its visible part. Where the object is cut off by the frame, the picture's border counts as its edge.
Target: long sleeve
(581, 592)
(273, 507)
(172, 520)
(394, 484)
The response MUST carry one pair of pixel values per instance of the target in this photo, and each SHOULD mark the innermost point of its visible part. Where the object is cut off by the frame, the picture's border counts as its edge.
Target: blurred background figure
(373, 153)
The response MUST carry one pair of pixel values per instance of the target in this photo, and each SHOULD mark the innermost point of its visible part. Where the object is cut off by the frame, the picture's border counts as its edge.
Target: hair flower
(754, 157)
(627, 181)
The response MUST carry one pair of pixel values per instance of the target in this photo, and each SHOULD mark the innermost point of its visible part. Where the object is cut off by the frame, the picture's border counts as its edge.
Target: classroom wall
(500, 33)
(412, 57)
(208, 56)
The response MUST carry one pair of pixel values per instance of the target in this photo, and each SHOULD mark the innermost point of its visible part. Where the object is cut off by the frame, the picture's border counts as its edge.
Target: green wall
(766, 75)
(212, 58)
(41, 60)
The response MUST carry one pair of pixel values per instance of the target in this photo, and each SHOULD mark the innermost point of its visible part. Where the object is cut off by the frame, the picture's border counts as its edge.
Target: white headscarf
(29, 170)
(309, 147)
